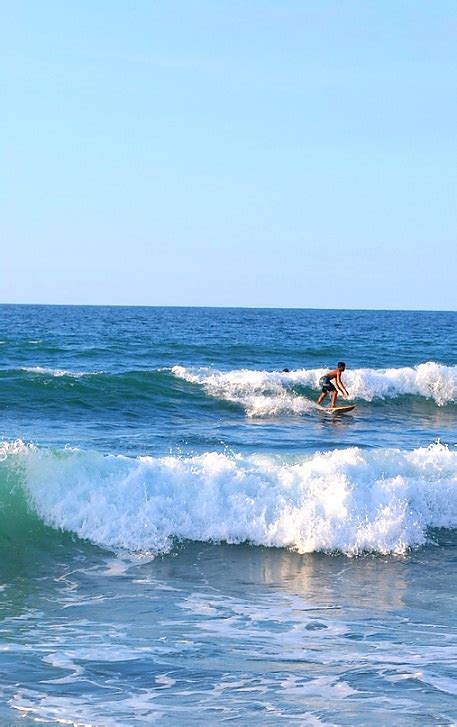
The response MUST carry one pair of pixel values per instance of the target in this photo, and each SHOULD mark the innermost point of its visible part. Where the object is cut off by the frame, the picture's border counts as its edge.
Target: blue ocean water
(187, 539)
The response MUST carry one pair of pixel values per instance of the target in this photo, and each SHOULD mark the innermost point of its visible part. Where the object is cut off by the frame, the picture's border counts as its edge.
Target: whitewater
(349, 500)
(265, 392)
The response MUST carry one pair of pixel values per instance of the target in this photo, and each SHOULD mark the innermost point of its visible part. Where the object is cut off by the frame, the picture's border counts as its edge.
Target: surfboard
(338, 409)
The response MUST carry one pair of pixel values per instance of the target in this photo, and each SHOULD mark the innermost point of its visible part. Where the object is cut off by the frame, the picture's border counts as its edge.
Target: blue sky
(228, 152)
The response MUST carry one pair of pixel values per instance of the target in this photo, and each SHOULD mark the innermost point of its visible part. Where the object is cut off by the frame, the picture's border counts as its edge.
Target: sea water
(186, 539)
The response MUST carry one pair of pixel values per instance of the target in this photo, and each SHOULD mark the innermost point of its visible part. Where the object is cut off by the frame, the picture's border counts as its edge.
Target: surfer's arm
(341, 386)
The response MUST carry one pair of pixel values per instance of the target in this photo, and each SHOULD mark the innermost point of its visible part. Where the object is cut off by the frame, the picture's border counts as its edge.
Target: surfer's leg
(334, 395)
(322, 396)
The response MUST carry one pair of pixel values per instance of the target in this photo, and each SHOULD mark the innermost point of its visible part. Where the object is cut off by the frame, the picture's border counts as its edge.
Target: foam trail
(349, 500)
(264, 393)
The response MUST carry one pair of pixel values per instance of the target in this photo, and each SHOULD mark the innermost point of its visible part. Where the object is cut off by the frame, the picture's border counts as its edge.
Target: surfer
(333, 388)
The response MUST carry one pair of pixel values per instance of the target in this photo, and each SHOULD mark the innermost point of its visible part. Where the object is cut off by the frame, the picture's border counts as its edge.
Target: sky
(288, 153)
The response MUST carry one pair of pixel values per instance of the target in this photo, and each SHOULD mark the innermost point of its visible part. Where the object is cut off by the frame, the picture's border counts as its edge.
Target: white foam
(261, 393)
(57, 372)
(268, 392)
(348, 500)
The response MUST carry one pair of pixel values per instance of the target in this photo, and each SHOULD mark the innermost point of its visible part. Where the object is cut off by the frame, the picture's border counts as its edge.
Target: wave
(264, 393)
(46, 386)
(350, 500)
(259, 393)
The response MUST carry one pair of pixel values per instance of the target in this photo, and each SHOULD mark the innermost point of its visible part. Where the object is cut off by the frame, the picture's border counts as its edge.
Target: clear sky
(287, 153)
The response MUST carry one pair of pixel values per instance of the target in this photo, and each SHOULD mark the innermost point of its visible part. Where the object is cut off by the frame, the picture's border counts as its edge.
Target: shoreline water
(220, 632)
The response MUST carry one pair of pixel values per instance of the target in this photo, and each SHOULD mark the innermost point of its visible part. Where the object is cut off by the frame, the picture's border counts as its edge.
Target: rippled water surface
(187, 539)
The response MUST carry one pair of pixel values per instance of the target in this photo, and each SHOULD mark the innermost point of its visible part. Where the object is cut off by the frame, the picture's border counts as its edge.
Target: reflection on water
(232, 631)
(368, 582)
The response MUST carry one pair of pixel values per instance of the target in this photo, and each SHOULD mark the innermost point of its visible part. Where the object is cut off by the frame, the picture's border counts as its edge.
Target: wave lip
(429, 380)
(264, 393)
(352, 501)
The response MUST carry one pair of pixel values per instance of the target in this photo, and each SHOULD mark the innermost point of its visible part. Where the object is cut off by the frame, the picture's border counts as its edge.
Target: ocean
(186, 539)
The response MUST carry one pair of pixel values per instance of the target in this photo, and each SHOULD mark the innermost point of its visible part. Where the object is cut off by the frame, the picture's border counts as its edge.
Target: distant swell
(352, 501)
(264, 393)
(41, 388)
(43, 371)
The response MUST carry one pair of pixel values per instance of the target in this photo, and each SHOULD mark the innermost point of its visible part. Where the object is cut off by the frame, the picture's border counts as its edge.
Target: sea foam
(264, 393)
(42, 371)
(350, 500)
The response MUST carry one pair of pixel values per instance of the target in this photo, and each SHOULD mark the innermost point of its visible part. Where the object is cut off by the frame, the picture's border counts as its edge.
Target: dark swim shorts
(326, 384)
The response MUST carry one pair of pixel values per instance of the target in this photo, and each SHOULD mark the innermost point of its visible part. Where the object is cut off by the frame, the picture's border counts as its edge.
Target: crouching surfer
(332, 384)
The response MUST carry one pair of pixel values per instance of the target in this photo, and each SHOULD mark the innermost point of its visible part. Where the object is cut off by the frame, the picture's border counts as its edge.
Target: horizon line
(228, 307)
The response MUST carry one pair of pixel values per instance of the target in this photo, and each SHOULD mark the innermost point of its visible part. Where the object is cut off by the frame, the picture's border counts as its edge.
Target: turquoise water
(187, 539)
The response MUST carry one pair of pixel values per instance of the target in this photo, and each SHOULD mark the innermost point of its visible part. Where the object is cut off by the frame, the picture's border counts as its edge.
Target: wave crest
(350, 500)
(266, 393)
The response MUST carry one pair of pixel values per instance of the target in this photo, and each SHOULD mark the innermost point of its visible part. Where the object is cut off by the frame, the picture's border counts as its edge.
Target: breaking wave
(350, 500)
(264, 393)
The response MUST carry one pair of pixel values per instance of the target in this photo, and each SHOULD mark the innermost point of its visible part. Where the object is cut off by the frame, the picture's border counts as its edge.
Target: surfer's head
(341, 365)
